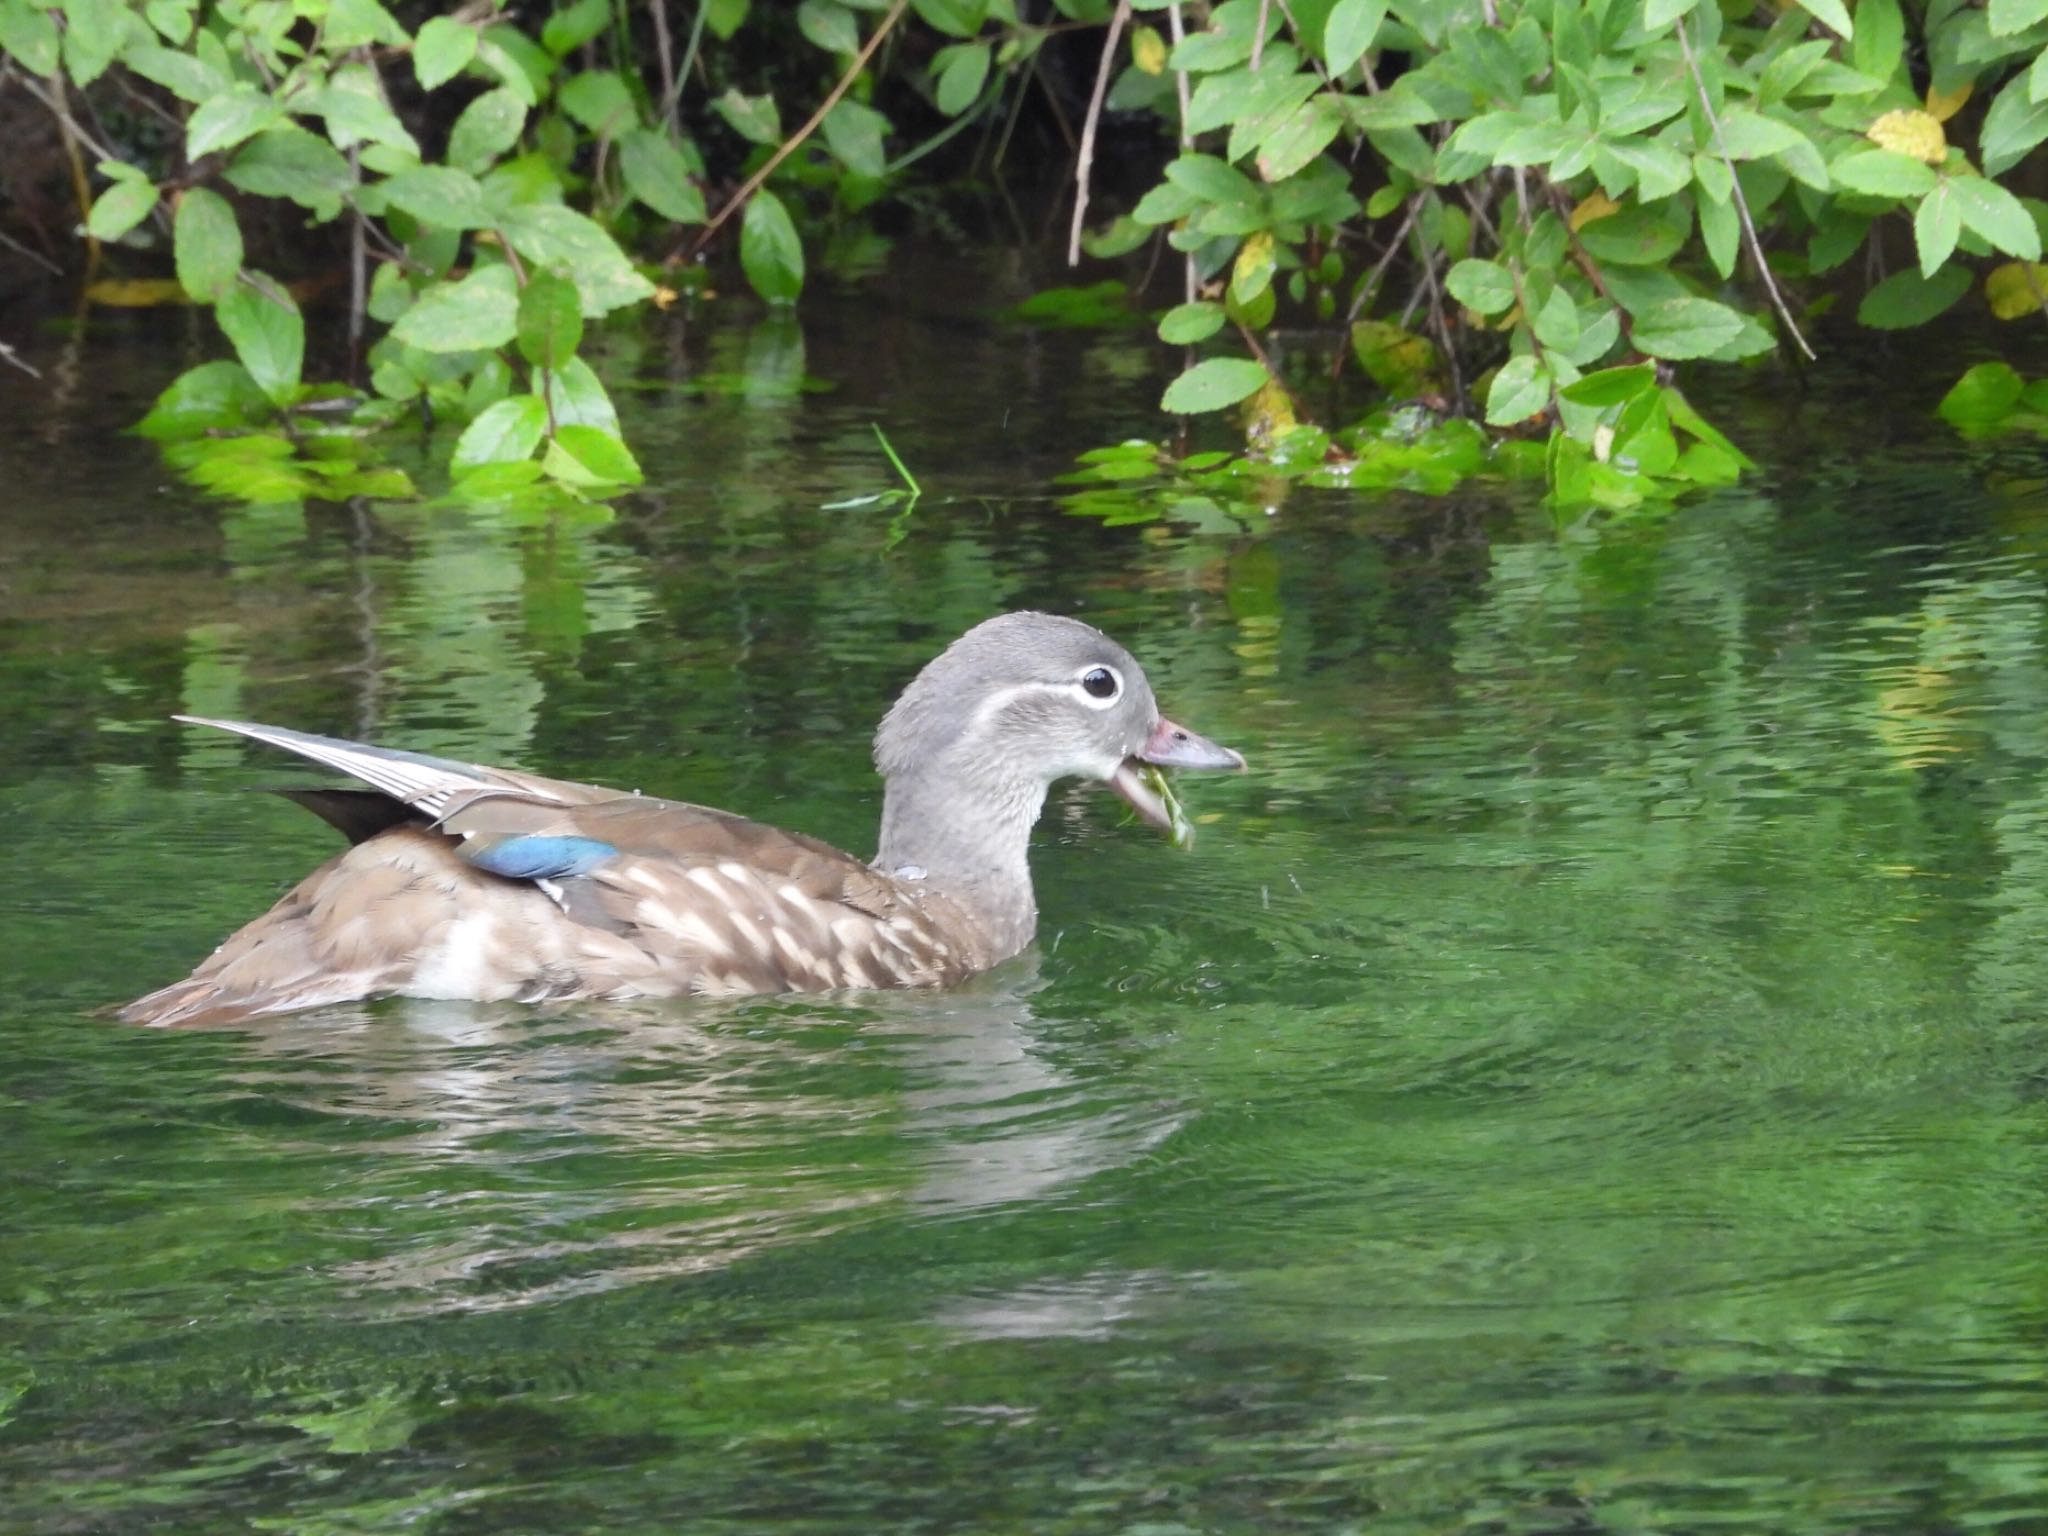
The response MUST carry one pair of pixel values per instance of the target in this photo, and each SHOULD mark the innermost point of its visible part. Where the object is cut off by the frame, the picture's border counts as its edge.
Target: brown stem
(1756, 249)
(1086, 161)
(789, 145)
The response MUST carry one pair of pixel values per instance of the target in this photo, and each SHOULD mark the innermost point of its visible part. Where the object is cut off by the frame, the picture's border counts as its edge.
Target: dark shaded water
(1589, 1078)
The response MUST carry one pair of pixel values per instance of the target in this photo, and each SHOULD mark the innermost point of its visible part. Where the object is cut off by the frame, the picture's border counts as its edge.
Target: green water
(1588, 1077)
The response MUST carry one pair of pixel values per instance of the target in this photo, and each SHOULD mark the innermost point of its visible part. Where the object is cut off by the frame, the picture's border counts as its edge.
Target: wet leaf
(504, 433)
(268, 333)
(1212, 385)
(1986, 393)
(770, 253)
(590, 458)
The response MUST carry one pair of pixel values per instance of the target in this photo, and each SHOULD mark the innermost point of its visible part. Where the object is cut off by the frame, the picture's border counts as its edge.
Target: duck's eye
(1099, 682)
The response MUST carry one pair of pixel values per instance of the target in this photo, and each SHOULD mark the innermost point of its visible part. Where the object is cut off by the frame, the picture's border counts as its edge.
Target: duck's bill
(1139, 781)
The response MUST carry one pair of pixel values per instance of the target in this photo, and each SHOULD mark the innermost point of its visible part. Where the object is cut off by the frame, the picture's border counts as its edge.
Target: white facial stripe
(992, 706)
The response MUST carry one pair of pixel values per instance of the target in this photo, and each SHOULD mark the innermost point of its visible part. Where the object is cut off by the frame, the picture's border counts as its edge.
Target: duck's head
(1027, 698)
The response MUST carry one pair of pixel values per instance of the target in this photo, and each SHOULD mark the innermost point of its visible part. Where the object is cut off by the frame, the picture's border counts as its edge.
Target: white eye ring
(1100, 686)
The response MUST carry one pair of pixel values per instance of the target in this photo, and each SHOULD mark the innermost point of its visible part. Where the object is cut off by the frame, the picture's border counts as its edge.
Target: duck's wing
(429, 788)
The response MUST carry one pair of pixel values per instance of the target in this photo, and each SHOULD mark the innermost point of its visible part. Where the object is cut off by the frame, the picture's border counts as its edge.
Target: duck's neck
(969, 832)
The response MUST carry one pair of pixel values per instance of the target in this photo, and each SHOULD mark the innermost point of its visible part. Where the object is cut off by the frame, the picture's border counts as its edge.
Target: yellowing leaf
(1596, 205)
(1943, 105)
(2016, 289)
(1148, 50)
(1252, 273)
(136, 292)
(664, 297)
(1912, 133)
(1268, 414)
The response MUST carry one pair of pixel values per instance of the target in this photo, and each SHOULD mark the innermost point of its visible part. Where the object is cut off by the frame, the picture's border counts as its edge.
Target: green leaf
(1186, 324)
(120, 208)
(440, 197)
(1907, 299)
(1611, 386)
(1484, 286)
(94, 31)
(1636, 237)
(590, 458)
(753, 118)
(571, 27)
(478, 313)
(442, 50)
(1557, 322)
(185, 75)
(228, 119)
(356, 112)
(1748, 135)
(600, 101)
(1520, 389)
(1349, 31)
(1659, 14)
(287, 161)
(1685, 327)
(488, 127)
(2014, 125)
(1306, 133)
(770, 253)
(579, 399)
(1880, 41)
(2009, 16)
(1985, 394)
(854, 135)
(207, 242)
(962, 71)
(1882, 173)
(550, 320)
(352, 24)
(28, 34)
(1937, 225)
(829, 25)
(659, 176)
(213, 397)
(1991, 211)
(1831, 14)
(549, 235)
(1721, 232)
(1212, 385)
(502, 434)
(268, 334)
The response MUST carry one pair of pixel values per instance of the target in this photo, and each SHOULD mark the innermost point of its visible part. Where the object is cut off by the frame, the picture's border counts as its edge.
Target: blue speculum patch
(541, 858)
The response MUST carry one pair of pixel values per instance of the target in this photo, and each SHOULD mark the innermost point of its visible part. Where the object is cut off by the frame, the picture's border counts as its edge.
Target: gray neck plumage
(970, 833)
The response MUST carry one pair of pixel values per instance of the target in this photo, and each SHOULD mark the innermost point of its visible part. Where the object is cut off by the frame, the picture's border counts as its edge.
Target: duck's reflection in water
(498, 1156)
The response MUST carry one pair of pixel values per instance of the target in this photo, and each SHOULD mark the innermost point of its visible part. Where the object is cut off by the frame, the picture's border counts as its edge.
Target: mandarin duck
(487, 884)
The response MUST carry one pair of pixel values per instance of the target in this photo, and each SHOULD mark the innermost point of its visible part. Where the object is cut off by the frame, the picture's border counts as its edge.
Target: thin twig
(1087, 155)
(1259, 34)
(673, 100)
(665, 59)
(1372, 281)
(1088, 132)
(27, 254)
(789, 145)
(1756, 249)
(10, 356)
(1190, 285)
(358, 267)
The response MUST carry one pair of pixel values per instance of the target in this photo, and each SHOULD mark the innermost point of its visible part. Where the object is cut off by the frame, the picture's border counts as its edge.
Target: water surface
(1588, 1077)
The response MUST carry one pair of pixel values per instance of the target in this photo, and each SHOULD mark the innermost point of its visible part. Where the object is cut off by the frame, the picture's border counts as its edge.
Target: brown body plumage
(481, 883)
